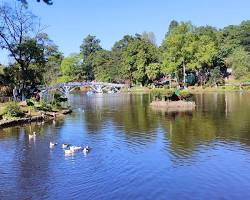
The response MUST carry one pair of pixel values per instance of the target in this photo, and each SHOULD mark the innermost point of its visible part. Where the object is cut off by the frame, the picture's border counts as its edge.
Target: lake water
(137, 152)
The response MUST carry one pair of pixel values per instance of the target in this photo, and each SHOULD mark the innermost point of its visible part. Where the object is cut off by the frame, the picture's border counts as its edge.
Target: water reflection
(135, 149)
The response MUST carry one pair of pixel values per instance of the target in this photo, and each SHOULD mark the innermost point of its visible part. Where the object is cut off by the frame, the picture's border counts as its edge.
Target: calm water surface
(137, 152)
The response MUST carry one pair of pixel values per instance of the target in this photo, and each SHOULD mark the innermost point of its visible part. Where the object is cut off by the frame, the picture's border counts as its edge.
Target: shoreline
(191, 89)
(47, 116)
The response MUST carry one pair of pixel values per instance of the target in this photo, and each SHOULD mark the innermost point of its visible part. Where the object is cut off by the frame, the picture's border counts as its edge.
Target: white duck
(64, 146)
(52, 145)
(68, 152)
(33, 136)
(86, 149)
(75, 148)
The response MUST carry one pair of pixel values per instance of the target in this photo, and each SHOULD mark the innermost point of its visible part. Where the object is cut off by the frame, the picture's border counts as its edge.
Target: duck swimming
(75, 148)
(52, 145)
(64, 146)
(68, 152)
(86, 149)
(33, 136)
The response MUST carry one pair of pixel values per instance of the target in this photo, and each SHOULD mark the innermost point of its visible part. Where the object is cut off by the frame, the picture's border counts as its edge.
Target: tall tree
(71, 69)
(138, 55)
(172, 26)
(239, 60)
(88, 48)
(245, 35)
(103, 66)
(179, 48)
(188, 48)
(20, 36)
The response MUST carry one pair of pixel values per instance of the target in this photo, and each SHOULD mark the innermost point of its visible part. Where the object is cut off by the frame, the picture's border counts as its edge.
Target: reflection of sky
(134, 149)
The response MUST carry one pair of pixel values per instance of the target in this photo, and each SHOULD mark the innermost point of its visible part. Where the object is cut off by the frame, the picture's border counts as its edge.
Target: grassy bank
(17, 113)
(192, 89)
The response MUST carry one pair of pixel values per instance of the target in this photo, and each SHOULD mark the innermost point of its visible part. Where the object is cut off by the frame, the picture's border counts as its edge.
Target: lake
(136, 152)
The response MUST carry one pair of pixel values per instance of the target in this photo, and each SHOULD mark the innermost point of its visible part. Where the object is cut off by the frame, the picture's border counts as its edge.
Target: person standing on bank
(15, 93)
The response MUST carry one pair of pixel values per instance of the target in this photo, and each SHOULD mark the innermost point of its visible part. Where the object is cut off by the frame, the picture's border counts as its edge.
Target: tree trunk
(184, 73)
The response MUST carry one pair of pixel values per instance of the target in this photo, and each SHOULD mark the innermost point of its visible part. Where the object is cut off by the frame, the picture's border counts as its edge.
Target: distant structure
(97, 87)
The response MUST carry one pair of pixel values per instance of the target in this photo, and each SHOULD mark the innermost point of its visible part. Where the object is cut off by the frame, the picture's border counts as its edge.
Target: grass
(2, 106)
(232, 86)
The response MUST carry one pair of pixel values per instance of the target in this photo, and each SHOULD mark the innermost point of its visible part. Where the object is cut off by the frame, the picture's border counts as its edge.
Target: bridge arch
(97, 87)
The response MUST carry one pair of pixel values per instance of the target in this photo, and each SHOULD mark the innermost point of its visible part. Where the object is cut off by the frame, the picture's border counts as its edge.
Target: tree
(137, 56)
(103, 66)
(172, 27)
(239, 60)
(188, 48)
(179, 48)
(153, 71)
(149, 36)
(88, 48)
(49, 2)
(70, 68)
(120, 45)
(52, 66)
(245, 35)
(20, 37)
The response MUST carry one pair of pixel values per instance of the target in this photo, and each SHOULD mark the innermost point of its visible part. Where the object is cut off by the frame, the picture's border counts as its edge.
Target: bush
(59, 98)
(12, 109)
(44, 106)
(30, 102)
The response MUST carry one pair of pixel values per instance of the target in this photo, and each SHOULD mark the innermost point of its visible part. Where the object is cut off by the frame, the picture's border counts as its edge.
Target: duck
(33, 136)
(64, 146)
(86, 149)
(52, 145)
(75, 148)
(68, 152)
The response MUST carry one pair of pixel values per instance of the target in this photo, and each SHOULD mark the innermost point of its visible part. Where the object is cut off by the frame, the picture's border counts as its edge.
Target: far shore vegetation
(202, 58)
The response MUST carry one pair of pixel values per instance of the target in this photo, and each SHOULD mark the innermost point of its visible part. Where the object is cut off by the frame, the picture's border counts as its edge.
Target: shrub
(12, 109)
(59, 98)
(44, 106)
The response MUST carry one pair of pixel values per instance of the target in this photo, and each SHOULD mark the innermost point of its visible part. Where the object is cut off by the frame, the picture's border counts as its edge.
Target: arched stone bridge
(98, 87)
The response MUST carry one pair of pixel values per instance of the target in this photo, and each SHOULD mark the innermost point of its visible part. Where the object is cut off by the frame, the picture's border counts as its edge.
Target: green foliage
(153, 71)
(102, 66)
(216, 77)
(189, 47)
(136, 57)
(64, 79)
(12, 110)
(30, 102)
(59, 98)
(71, 69)
(44, 106)
(239, 60)
(88, 48)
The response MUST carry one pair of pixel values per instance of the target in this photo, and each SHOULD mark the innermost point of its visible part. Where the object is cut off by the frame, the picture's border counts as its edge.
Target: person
(15, 93)
(37, 95)
(176, 95)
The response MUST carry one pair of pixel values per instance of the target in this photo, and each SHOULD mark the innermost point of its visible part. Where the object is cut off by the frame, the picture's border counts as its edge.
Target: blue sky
(69, 21)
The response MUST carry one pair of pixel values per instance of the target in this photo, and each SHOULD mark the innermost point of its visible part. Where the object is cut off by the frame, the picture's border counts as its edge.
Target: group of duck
(71, 149)
(68, 149)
